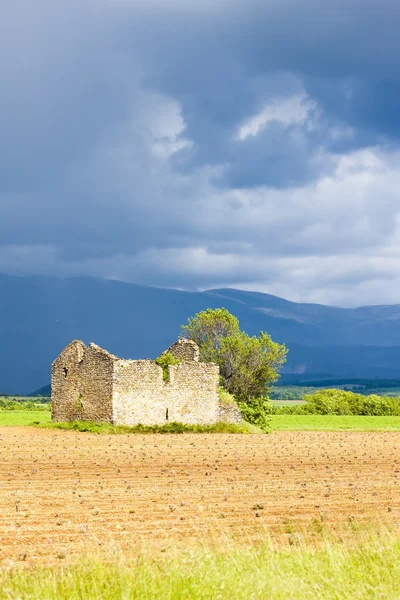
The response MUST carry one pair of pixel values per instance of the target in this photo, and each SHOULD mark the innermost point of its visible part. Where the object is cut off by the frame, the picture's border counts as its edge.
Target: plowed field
(62, 492)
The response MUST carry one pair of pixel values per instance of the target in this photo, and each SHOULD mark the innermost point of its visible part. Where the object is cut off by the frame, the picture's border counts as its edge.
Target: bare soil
(62, 492)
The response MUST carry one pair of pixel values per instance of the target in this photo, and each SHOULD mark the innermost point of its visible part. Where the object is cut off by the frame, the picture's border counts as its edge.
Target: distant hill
(44, 391)
(40, 315)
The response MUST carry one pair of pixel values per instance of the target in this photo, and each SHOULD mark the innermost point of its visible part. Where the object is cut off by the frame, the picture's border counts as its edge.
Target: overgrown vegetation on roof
(164, 361)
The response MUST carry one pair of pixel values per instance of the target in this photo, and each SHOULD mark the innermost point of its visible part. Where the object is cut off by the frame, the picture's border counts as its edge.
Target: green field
(23, 417)
(332, 570)
(279, 422)
(287, 402)
(334, 422)
(39, 399)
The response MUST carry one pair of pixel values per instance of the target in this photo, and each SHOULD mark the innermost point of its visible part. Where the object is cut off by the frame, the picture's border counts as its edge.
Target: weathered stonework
(229, 413)
(184, 350)
(91, 384)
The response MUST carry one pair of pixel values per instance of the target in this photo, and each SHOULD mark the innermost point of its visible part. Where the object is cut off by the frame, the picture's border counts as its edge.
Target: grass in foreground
(331, 571)
(88, 426)
(334, 422)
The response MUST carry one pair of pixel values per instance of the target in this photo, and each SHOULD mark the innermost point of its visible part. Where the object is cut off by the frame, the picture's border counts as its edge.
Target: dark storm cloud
(352, 45)
(191, 144)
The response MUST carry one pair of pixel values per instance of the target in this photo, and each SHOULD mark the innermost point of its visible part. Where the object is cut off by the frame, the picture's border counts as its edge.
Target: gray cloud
(206, 143)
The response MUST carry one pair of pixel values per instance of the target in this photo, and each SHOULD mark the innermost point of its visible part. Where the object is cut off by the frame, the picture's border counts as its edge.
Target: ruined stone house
(90, 384)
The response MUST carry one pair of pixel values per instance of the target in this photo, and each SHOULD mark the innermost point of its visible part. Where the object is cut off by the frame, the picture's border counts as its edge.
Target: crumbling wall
(65, 380)
(138, 393)
(141, 396)
(192, 393)
(82, 384)
(185, 350)
(95, 385)
(229, 413)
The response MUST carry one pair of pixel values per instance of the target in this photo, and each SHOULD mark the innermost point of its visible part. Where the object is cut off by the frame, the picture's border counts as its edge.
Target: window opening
(166, 415)
(65, 370)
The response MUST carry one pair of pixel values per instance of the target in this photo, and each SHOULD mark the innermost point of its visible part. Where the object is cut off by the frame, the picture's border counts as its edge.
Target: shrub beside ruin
(340, 402)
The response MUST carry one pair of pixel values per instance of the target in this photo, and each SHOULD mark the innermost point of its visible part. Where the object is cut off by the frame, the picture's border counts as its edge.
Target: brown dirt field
(63, 492)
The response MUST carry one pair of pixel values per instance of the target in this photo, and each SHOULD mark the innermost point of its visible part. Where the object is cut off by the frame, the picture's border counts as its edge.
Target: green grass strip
(334, 423)
(23, 417)
(334, 571)
(88, 426)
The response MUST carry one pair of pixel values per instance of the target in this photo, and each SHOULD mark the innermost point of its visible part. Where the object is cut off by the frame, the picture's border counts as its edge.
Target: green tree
(248, 365)
(208, 328)
(258, 412)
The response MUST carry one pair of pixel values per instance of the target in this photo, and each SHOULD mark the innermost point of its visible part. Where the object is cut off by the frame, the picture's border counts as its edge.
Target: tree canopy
(248, 365)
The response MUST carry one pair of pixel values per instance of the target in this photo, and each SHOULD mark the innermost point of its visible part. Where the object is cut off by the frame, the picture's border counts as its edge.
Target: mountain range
(40, 315)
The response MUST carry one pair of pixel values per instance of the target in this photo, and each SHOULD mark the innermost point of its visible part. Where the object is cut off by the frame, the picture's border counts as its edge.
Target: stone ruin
(90, 384)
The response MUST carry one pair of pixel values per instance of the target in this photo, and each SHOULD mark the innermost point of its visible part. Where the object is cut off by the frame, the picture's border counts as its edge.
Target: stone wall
(229, 413)
(65, 382)
(95, 386)
(183, 349)
(91, 384)
(138, 393)
(82, 384)
(141, 396)
(192, 393)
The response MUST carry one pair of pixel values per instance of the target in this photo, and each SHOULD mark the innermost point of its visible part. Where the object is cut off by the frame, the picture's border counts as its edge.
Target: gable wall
(184, 350)
(95, 385)
(84, 394)
(65, 382)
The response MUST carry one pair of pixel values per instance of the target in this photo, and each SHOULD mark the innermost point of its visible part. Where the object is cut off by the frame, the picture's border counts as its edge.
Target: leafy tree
(258, 412)
(248, 365)
(207, 328)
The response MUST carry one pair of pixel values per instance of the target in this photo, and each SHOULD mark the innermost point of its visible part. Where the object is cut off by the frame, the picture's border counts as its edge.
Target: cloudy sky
(204, 143)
